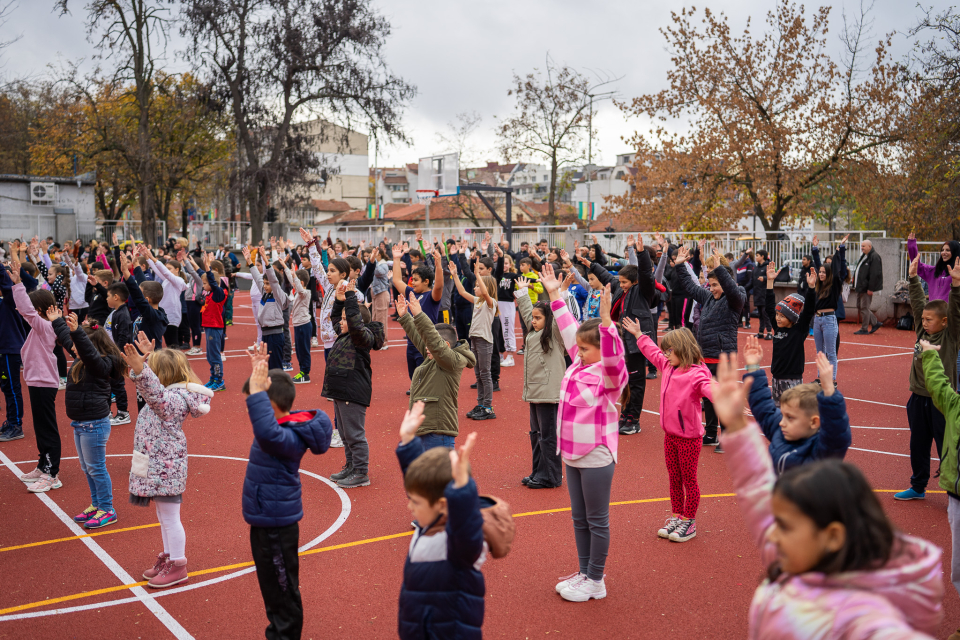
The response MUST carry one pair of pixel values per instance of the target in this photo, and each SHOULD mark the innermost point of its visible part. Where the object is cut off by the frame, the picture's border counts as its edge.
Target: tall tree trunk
(551, 203)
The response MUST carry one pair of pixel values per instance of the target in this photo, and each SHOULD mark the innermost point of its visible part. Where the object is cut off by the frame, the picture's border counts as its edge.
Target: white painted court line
(344, 513)
(886, 453)
(139, 593)
(853, 426)
(886, 404)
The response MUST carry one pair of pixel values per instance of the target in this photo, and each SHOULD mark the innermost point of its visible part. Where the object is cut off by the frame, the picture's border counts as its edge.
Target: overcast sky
(461, 55)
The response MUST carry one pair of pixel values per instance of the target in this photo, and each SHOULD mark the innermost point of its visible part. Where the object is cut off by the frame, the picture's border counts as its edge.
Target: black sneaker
(719, 448)
(876, 327)
(343, 473)
(496, 386)
(519, 352)
(629, 428)
(473, 386)
(486, 413)
(354, 480)
(651, 375)
(408, 391)
(10, 432)
(526, 480)
(860, 332)
(709, 441)
(472, 414)
(536, 484)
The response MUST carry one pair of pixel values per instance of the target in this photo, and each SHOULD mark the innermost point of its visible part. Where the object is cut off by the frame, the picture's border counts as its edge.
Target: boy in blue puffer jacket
(443, 589)
(811, 423)
(272, 503)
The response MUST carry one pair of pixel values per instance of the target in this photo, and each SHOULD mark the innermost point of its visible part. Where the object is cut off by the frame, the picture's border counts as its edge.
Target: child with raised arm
(443, 590)
(792, 318)
(938, 323)
(168, 275)
(329, 277)
(437, 379)
(427, 286)
(811, 423)
(119, 327)
(588, 434)
(685, 382)
(835, 565)
(281, 437)
(158, 474)
(270, 314)
(214, 298)
(348, 381)
(484, 301)
(300, 301)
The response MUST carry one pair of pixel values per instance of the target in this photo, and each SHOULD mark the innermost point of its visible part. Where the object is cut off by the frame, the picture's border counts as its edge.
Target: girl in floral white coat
(159, 471)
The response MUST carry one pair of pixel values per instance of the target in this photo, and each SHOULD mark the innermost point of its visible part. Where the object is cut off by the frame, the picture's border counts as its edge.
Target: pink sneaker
(150, 574)
(170, 574)
(33, 476)
(44, 484)
(85, 515)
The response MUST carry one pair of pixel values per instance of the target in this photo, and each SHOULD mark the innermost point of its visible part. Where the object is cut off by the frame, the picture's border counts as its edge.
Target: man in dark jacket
(632, 292)
(868, 284)
(759, 287)
(745, 268)
(348, 381)
(272, 504)
(720, 308)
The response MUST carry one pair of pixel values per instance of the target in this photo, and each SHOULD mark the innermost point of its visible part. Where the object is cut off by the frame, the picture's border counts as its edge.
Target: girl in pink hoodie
(685, 381)
(836, 568)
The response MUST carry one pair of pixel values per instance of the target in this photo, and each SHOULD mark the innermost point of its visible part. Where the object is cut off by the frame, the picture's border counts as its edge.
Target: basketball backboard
(440, 173)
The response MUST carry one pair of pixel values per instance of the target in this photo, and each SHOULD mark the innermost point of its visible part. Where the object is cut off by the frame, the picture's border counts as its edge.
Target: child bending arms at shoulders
(685, 381)
(484, 300)
(836, 567)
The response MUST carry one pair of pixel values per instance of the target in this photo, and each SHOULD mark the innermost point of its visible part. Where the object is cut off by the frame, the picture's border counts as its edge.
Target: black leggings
(61, 360)
(43, 405)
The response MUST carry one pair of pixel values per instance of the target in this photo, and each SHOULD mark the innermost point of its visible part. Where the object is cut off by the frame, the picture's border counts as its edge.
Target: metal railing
(126, 230)
(214, 233)
(930, 256)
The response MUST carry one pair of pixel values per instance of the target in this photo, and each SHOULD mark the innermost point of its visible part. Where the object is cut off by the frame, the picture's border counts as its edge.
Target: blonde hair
(491, 284)
(509, 264)
(171, 367)
(684, 346)
(805, 397)
(711, 262)
(183, 242)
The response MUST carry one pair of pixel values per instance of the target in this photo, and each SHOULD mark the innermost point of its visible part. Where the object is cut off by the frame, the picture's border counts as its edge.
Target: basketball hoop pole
(508, 224)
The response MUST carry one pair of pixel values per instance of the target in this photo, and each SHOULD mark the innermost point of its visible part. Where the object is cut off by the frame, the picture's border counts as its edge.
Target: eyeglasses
(668, 352)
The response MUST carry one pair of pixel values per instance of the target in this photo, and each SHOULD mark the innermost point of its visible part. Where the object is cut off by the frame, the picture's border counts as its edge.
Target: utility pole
(590, 151)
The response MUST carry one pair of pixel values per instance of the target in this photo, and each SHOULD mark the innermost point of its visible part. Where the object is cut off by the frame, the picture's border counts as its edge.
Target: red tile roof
(330, 205)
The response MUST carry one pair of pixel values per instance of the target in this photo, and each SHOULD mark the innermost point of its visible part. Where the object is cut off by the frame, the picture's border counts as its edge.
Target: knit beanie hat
(791, 307)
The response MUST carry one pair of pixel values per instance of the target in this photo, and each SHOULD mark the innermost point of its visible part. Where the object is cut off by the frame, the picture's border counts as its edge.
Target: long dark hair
(834, 491)
(941, 268)
(106, 347)
(546, 336)
(826, 285)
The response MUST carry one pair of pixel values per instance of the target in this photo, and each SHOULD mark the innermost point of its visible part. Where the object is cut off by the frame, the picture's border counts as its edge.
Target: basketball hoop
(426, 195)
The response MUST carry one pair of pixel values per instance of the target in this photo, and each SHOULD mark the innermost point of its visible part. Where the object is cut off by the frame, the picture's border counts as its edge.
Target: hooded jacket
(947, 401)
(436, 381)
(348, 375)
(271, 486)
(88, 399)
(831, 441)
(270, 311)
(13, 332)
(443, 589)
(902, 599)
(159, 432)
(936, 276)
(681, 414)
(636, 301)
(719, 318)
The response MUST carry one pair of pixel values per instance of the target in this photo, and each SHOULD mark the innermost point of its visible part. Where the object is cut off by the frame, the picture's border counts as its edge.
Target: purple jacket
(901, 600)
(939, 288)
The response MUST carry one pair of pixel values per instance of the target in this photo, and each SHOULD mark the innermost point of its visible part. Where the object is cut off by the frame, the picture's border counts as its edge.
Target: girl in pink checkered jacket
(588, 433)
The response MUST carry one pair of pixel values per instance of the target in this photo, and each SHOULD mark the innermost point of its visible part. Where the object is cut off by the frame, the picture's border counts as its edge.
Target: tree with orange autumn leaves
(766, 120)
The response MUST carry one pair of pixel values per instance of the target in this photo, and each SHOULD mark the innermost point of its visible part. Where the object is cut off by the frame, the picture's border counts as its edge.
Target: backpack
(498, 526)
(905, 323)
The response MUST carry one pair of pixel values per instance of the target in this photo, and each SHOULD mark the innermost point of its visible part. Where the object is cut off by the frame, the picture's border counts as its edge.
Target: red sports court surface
(57, 584)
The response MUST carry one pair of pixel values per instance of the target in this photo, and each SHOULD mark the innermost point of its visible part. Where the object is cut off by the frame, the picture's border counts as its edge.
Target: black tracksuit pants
(278, 572)
(927, 426)
(43, 405)
(637, 381)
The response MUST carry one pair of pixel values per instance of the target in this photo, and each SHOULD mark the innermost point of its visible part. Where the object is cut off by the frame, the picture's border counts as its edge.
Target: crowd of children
(835, 565)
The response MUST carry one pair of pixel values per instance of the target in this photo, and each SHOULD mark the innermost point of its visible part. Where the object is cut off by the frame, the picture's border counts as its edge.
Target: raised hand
(826, 373)
(683, 254)
(460, 461)
(728, 395)
(341, 290)
(259, 378)
(72, 321)
(258, 353)
(413, 304)
(53, 312)
(606, 303)
(523, 282)
(911, 236)
(412, 419)
(133, 358)
(549, 280)
(815, 242)
(144, 345)
(401, 306)
(771, 271)
(14, 270)
(632, 326)
(954, 271)
(914, 264)
(812, 278)
(630, 241)
(843, 242)
(397, 251)
(246, 253)
(753, 352)
(927, 346)
(437, 258)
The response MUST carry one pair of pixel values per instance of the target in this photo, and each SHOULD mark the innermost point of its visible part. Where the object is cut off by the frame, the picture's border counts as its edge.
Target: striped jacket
(588, 394)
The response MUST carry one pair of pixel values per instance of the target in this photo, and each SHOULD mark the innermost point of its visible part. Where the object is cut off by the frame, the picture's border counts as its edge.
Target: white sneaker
(33, 476)
(584, 590)
(570, 579)
(507, 362)
(384, 347)
(195, 351)
(314, 343)
(335, 441)
(63, 383)
(44, 484)
(672, 523)
(122, 417)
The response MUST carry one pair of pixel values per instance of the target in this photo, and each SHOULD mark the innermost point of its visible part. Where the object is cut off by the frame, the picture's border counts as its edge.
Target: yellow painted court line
(86, 535)
(357, 543)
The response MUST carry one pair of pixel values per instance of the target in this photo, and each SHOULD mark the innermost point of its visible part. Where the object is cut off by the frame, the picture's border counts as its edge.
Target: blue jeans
(825, 332)
(431, 440)
(214, 348)
(91, 440)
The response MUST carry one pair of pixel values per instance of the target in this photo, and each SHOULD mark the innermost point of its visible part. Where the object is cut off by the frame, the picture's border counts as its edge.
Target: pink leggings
(683, 456)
